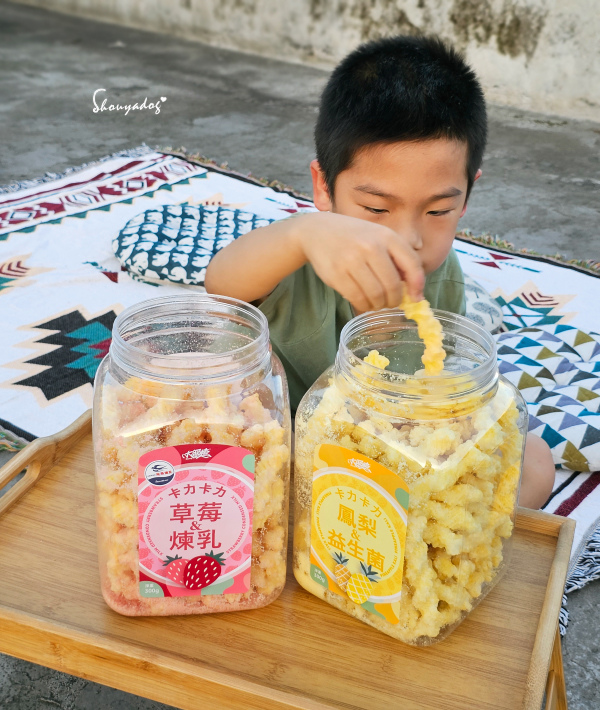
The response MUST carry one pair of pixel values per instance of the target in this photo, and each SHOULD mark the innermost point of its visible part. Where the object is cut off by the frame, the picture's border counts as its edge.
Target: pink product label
(195, 507)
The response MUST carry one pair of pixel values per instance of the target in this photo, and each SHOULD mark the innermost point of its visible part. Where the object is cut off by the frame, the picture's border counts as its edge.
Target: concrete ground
(540, 189)
(541, 182)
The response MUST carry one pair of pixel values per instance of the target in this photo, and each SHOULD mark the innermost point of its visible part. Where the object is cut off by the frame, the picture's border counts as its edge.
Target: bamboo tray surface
(298, 652)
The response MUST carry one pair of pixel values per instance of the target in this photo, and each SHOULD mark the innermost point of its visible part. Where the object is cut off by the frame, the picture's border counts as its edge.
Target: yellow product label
(358, 529)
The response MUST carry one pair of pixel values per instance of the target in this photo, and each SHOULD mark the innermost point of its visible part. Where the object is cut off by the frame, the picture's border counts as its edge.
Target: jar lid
(195, 337)
(470, 366)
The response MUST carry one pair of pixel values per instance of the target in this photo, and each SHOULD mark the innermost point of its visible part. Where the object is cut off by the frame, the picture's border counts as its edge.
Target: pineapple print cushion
(176, 242)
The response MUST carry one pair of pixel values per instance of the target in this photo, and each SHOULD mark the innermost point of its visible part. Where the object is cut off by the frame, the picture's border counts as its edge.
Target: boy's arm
(250, 267)
(365, 262)
(538, 476)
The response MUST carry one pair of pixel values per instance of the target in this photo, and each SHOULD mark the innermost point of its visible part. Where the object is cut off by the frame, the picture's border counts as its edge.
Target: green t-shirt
(306, 318)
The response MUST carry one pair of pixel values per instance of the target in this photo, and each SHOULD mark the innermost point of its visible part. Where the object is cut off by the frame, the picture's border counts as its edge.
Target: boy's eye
(439, 213)
(375, 210)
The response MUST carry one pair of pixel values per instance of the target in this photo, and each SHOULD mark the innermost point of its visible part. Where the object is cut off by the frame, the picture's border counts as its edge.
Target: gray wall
(542, 55)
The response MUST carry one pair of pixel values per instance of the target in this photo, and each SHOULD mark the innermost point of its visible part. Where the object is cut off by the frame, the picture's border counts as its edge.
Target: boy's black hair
(400, 88)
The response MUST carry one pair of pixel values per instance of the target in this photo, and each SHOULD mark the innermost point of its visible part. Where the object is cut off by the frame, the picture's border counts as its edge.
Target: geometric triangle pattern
(538, 298)
(557, 370)
(527, 308)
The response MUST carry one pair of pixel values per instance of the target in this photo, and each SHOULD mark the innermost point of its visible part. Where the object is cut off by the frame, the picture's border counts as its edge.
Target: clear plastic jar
(192, 443)
(406, 486)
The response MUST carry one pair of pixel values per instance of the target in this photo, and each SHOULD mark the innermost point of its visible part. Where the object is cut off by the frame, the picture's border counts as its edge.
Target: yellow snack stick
(430, 332)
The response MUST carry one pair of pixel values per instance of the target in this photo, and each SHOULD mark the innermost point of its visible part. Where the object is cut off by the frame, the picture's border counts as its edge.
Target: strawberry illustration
(175, 568)
(202, 571)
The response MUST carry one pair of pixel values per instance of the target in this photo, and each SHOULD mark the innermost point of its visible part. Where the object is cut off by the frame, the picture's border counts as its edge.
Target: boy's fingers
(370, 284)
(353, 293)
(347, 285)
(409, 265)
(390, 280)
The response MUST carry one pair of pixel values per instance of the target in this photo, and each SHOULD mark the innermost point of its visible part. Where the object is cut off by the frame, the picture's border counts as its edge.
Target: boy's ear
(320, 192)
(477, 176)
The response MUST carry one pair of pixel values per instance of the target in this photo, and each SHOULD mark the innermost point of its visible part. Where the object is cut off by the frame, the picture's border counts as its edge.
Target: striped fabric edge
(571, 492)
(584, 567)
(583, 491)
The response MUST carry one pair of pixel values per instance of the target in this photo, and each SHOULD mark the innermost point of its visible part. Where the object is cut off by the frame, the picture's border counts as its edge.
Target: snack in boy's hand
(430, 332)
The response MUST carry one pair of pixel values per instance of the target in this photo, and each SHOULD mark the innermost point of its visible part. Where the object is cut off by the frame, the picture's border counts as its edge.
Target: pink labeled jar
(192, 444)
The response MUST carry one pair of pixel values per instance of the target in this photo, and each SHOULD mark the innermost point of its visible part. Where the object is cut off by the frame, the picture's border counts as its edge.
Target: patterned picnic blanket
(61, 287)
(551, 351)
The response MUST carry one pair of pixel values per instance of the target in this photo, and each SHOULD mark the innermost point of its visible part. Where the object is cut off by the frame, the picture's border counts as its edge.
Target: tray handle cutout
(38, 457)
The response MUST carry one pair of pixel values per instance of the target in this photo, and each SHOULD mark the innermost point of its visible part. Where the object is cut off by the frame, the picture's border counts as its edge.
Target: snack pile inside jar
(405, 503)
(140, 417)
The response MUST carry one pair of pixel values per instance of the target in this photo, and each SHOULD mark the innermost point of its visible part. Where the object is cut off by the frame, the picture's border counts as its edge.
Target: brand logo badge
(159, 473)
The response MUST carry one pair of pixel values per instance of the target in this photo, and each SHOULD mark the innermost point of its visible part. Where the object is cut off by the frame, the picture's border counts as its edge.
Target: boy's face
(418, 189)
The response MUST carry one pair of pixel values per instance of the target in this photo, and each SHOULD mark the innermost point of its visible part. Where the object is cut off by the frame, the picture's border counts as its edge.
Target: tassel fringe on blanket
(19, 185)
(585, 571)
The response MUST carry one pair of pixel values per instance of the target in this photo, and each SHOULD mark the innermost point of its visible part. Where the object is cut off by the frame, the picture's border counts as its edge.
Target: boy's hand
(365, 262)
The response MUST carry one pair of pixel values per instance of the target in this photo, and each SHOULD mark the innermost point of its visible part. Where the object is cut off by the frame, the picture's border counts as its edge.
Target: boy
(399, 139)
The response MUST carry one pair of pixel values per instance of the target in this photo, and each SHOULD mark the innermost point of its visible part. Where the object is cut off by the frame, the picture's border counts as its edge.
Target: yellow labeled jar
(406, 484)
(192, 443)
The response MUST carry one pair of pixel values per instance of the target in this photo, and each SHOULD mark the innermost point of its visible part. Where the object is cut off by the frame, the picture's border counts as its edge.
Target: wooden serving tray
(299, 652)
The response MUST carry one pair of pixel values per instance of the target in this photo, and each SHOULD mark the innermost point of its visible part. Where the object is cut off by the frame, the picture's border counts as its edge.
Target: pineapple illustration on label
(360, 586)
(342, 573)
(358, 529)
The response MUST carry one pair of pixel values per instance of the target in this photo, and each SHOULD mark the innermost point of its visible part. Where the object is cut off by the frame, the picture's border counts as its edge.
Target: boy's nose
(418, 242)
(415, 240)
(410, 232)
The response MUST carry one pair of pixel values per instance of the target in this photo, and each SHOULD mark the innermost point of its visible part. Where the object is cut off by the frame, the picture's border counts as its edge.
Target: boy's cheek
(435, 252)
